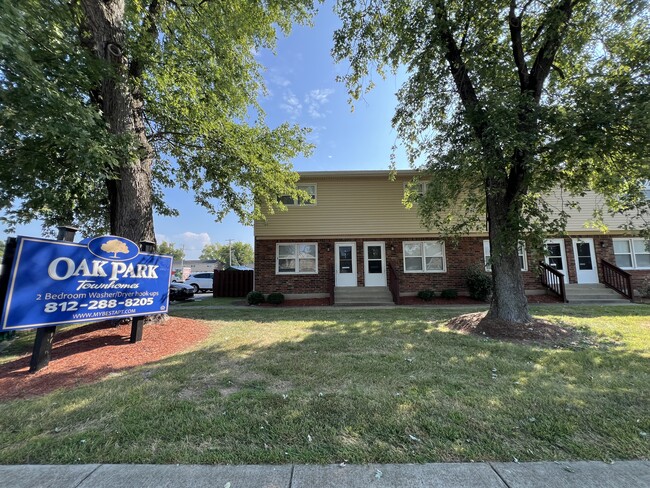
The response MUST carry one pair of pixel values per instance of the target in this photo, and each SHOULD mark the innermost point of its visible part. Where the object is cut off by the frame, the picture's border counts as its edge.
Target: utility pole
(229, 241)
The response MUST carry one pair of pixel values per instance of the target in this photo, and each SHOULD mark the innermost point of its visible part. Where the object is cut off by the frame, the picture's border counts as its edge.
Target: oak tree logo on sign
(115, 246)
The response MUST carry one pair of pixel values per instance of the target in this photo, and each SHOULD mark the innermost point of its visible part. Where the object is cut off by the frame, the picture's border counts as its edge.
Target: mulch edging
(537, 330)
(91, 352)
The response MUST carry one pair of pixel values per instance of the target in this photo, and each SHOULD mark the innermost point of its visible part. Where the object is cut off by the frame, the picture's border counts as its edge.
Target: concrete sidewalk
(580, 474)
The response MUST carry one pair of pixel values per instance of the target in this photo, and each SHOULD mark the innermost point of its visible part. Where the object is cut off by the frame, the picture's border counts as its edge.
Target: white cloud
(277, 79)
(291, 104)
(191, 242)
(194, 242)
(316, 101)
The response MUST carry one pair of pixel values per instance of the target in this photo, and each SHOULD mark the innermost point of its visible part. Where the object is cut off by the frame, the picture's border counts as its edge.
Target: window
(424, 257)
(632, 253)
(300, 258)
(523, 260)
(419, 188)
(311, 189)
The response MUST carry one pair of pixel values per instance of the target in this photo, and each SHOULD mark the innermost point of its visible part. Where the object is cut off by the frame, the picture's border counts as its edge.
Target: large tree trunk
(509, 301)
(130, 196)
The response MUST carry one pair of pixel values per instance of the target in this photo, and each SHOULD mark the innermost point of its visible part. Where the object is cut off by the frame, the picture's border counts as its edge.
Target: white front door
(374, 263)
(555, 256)
(585, 258)
(345, 261)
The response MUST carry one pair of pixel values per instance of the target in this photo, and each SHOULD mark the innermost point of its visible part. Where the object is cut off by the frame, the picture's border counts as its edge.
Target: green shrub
(479, 283)
(449, 294)
(644, 289)
(255, 298)
(275, 298)
(426, 295)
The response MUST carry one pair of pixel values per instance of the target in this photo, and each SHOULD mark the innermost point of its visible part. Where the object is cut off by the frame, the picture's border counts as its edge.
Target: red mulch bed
(302, 302)
(463, 300)
(537, 330)
(91, 352)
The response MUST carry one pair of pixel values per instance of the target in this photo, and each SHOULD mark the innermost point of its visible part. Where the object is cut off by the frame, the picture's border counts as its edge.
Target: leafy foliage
(588, 118)
(191, 64)
(275, 298)
(255, 298)
(426, 295)
(506, 102)
(449, 293)
(170, 249)
(479, 283)
(55, 147)
(242, 253)
(644, 289)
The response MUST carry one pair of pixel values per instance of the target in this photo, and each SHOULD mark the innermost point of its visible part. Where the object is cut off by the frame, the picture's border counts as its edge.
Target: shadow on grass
(360, 386)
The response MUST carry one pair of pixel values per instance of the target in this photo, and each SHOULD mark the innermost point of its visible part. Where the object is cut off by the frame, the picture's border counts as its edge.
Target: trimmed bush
(644, 289)
(426, 295)
(449, 294)
(255, 298)
(275, 298)
(479, 283)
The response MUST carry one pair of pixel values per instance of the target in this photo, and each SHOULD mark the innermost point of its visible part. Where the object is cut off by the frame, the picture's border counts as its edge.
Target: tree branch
(464, 85)
(558, 18)
(136, 67)
(517, 47)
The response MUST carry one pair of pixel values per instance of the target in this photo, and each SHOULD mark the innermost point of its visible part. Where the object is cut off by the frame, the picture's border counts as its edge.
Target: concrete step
(593, 293)
(369, 295)
(596, 296)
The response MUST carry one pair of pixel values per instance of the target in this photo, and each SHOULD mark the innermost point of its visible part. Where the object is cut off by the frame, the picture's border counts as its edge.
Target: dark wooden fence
(232, 283)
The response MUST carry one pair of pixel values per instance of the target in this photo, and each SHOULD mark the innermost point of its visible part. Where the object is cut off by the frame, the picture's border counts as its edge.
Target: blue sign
(57, 282)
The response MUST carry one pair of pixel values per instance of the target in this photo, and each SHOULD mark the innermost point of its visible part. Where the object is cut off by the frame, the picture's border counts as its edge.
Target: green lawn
(334, 385)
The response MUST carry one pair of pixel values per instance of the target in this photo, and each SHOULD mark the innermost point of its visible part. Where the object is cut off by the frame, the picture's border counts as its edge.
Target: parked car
(180, 291)
(200, 281)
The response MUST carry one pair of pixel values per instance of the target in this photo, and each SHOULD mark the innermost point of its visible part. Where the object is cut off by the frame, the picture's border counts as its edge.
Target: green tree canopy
(242, 253)
(170, 249)
(506, 101)
(103, 104)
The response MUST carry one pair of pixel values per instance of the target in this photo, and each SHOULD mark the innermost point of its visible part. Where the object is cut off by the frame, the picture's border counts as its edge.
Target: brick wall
(467, 251)
(606, 252)
(460, 256)
(267, 281)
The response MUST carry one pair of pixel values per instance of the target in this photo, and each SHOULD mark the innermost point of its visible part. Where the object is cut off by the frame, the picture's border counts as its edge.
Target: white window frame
(633, 252)
(296, 257)
(303, 187)
(487, 255)
(421, 192)
(423, 257)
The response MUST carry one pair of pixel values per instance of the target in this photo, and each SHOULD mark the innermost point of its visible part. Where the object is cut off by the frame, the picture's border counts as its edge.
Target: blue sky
(302, 89)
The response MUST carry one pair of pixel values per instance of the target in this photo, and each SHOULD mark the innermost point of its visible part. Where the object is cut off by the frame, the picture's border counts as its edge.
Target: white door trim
(585, 275)
(374, 279)
(565, 267)
(345, 279)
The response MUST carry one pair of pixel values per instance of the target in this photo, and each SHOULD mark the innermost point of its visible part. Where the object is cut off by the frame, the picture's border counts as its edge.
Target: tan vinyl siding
(584, 212)
(349, 206)
(366, 204)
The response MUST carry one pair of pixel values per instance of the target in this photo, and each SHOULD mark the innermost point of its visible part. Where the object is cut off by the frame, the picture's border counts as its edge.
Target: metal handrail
(393, 284)
(553, 280)
(617, 279)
